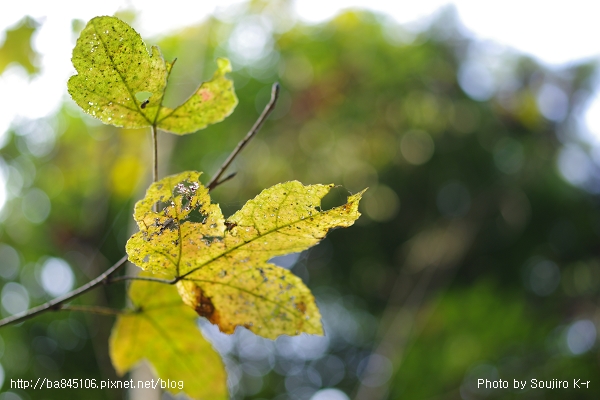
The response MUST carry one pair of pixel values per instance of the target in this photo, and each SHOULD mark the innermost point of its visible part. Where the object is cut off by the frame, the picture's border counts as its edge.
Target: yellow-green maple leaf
(17, 47)
(222, 266)
(164, 332)
(119, 82)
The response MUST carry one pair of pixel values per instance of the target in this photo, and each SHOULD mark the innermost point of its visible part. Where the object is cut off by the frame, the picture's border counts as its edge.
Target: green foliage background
(464, 200)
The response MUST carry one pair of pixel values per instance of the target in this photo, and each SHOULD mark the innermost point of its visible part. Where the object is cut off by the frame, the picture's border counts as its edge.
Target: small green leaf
(211, 103)
(222, 266)
(113, 65)
(17, 47)
(119, 82)
(164, 332)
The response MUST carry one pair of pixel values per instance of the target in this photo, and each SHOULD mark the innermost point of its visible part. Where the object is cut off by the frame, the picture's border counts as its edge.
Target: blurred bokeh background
(477, 254)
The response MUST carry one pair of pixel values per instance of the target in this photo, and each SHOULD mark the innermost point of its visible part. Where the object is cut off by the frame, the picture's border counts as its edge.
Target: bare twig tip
(214, 182)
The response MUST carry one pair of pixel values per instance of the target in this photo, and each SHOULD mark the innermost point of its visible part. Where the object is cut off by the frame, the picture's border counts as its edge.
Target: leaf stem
(94, 310)
(56, 304)
(155, 153)
(214, 182)
(143, 278)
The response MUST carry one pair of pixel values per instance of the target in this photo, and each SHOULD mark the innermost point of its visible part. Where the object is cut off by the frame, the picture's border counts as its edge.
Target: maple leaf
(119, 82)
(163, 330)
(222, 267)
(17, 47)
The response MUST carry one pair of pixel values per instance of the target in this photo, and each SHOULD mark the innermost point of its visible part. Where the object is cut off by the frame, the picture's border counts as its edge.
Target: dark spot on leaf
(203, 305)
(230, 225)
(208, 240)
(262, 273)
(301, 307)
(169, 224)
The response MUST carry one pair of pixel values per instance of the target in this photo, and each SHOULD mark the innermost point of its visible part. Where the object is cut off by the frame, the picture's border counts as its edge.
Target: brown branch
(255, 128)
(143, 278)
(228, 177)
(56, 304)
(94, 310)
(155, 135)
(155, 153)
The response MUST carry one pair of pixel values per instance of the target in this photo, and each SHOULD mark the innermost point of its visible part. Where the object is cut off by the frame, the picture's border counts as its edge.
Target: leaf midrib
(260, 236)
(132, 97)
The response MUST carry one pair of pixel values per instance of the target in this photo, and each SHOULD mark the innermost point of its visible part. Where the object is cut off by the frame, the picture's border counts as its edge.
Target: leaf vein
(110, 57)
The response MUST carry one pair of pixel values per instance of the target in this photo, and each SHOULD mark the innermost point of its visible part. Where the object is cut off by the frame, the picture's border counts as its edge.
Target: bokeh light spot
(298, 72)
(10, 396)
(553, 102)
(375, 370)
(417, 147)
(381, 203)
(330, 394)
(574, 164)
(508, 155)
(3, 182)
(515, 208)
(36, 206)
(39, 135)
(251, 40)
(56, 277)
(331, 369)
(302, 347)
(453, 200)
(581, 336)
(476, 80)
(15, 298)
(10, 261)
(543, 277)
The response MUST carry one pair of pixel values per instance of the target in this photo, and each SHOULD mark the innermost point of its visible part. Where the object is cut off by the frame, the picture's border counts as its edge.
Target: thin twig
(143, 278)
(155, 133)
(94, 310)
(255, 128)
(228, 177)
(155, 152)
(57, 302)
